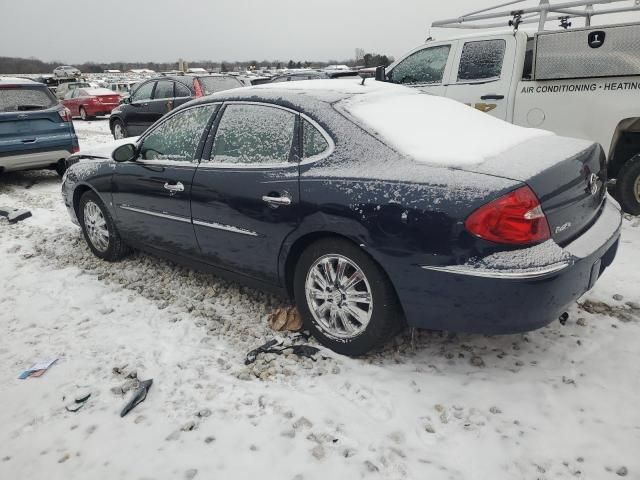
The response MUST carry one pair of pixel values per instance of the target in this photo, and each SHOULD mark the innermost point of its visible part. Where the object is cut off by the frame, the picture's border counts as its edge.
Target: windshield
(23, 99)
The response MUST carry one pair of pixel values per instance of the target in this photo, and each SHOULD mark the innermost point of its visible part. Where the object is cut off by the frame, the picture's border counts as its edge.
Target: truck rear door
(482, 74)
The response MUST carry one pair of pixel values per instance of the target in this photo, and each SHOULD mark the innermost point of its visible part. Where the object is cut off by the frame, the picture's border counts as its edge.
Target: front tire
(61, 167)
(99, 230)
(628, 186)
(345, 299)
(119, 130)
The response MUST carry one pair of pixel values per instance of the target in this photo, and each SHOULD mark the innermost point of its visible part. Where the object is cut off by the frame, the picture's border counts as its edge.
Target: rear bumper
(466, 298)
(28, 160)
(96, 110)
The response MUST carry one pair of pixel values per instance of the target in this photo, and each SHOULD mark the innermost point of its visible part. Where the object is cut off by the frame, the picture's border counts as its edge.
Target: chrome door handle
(178, 187)
(281, 201)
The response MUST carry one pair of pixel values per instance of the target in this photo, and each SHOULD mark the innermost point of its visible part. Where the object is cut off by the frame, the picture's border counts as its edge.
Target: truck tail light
(515, 219)
(197, 88)
(65, 114)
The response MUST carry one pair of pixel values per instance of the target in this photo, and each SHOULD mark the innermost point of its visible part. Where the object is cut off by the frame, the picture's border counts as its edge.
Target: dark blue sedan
(373, 206)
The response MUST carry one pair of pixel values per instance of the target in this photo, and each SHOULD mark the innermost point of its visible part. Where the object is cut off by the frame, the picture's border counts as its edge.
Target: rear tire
(119, 130)
(349, 317)
(61, 167)
(83, 114)
(99, 230)
(628, 186)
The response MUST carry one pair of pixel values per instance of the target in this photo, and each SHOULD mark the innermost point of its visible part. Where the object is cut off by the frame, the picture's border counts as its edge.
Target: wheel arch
(80, 190)
(625, 144)
(294, 251)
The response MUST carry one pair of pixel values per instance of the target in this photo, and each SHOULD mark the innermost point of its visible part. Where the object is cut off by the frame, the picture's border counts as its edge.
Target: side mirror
(125, 153)
(126, 100)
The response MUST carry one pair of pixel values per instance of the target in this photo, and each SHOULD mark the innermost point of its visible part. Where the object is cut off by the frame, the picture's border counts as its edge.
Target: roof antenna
(517, 20)
(564, 22)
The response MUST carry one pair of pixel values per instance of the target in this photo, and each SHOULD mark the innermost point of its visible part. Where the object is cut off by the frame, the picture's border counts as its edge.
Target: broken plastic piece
(138, 397)
(14, 215)
(306, 351)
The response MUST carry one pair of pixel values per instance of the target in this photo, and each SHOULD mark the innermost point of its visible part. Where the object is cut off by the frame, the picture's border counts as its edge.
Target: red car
(91, 102)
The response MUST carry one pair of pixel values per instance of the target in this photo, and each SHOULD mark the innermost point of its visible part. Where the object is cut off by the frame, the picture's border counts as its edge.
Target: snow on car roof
(16, 80)
(430, 129)
(436, 130)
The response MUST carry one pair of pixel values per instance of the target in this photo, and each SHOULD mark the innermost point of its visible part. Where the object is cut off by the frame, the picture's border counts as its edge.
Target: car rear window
(24, 99)
(217, 84)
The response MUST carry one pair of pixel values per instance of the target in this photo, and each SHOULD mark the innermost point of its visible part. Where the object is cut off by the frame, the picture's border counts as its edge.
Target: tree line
(23, 66)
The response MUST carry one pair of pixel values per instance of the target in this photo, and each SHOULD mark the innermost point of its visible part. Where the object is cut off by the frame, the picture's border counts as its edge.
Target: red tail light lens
(65, 114)
(515, 218)
(197, 88)
(75, 149)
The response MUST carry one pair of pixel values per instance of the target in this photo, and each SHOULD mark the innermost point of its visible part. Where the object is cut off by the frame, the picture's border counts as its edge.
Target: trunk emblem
(596, 39)
(592, 184)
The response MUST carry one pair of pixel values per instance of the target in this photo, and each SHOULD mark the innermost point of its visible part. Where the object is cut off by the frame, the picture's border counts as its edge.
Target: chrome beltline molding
(500, 274)
(228, 228)
(156, 214)
(217, 226)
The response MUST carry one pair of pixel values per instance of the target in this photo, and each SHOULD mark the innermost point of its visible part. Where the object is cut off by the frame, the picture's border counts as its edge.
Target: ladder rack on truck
(563, 12)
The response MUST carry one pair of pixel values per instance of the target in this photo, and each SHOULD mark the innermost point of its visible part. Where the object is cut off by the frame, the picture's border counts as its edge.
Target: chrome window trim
(328, 152)
(498, 274)
(227, 228)
(156, 214)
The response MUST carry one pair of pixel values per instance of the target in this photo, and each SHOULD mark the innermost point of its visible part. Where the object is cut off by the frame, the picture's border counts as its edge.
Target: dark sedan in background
(318, 190)
(150, 100)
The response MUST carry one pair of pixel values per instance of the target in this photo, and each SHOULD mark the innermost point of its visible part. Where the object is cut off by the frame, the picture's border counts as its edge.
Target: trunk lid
(568, 176)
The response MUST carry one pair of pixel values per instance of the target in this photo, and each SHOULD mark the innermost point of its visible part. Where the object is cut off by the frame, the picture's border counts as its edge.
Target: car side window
(424, 66)
(482, 60)
(144, 92)
(313, 142)
(182, 91)
(164, 89)
(254, 135)
(177, 138)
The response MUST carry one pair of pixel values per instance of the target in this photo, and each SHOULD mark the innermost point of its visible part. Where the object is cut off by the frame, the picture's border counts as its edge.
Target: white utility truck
(577, 82)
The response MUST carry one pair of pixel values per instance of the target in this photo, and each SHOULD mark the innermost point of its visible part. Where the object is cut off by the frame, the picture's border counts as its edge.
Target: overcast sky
(75, 31)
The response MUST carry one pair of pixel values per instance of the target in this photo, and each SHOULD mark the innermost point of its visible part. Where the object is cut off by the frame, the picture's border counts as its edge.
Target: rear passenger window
(177, 138)
(254, 134)
(313, 142)
(164, 89)
(482, 60)
(424, 66)
(182, 91)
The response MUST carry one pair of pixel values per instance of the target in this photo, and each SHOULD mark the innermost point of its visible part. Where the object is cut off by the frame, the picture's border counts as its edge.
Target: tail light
(515, 218)
(75, 149)
(65, 114)
(197, 88)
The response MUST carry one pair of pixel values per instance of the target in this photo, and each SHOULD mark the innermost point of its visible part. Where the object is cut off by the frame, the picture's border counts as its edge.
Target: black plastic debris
(275, 346)
(78, 403)
(563, 318)
(13, 214)
(138, 397)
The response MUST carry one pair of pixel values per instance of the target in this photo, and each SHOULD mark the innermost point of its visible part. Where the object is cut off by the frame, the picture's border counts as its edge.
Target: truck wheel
(628, 186)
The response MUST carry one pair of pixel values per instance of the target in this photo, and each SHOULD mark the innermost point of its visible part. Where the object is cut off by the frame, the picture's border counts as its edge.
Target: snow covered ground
(561, 402)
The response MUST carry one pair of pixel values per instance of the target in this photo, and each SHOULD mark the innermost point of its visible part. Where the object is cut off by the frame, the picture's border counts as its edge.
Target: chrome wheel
(118, 131)
(83, 114)
(96, 226)
(339, 296)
